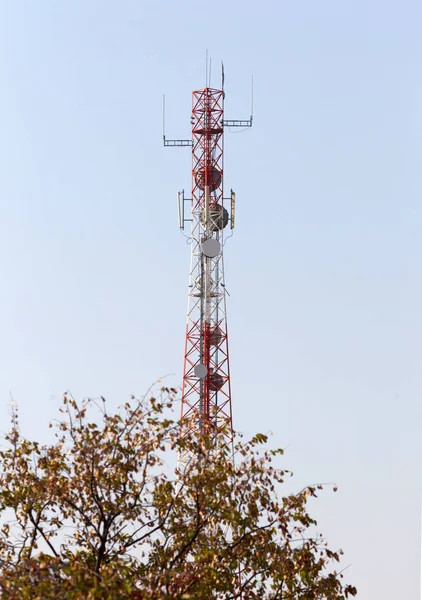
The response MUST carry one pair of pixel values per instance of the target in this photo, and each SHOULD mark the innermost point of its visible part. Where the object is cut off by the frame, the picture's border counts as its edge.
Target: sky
(324, 268)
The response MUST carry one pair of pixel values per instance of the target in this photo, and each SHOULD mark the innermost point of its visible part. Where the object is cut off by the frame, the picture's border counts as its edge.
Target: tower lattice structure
(206, 393)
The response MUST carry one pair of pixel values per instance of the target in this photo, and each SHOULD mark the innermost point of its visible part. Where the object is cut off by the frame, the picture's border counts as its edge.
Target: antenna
(232, 208)
(245, 123)
(172, 142)
(252, 100)
(181, 208)
(206, 68)
(164, 110)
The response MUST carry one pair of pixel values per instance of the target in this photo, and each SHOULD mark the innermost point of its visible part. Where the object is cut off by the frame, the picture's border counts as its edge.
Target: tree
(99, 514)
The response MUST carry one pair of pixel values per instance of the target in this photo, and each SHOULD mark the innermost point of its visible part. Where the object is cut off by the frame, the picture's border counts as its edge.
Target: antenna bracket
(238, 122)
(176, 142)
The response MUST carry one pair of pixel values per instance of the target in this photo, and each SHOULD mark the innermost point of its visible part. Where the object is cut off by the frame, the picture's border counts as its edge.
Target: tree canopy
(101, 513)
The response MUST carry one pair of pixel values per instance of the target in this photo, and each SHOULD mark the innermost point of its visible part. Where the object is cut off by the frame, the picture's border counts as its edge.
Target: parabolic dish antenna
(211, 248)
(200, 371)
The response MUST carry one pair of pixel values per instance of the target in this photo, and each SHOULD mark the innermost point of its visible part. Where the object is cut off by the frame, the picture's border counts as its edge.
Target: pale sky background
(324, 270)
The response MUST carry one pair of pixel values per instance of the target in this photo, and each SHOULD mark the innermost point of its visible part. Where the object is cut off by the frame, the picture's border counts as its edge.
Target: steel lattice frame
(206, 402)
(206, 395)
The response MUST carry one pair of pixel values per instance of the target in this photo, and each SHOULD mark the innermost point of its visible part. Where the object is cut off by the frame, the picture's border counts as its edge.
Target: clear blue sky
(324, 270)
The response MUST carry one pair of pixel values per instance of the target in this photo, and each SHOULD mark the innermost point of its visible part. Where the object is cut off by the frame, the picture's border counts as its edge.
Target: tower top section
(218, 95)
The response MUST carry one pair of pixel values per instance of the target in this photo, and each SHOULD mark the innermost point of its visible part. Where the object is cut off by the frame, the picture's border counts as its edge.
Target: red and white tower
(206, 394)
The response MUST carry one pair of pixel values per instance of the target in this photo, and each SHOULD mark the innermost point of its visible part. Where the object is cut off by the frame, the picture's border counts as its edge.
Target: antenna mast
(206, 394)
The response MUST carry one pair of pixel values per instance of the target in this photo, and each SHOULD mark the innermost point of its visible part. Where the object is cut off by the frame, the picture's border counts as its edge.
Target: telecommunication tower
(206, 395)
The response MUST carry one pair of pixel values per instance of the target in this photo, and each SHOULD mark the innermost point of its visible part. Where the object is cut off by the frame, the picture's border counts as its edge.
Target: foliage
(99, 514)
